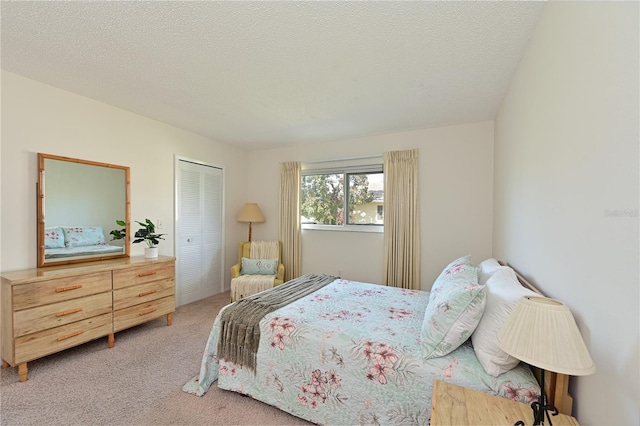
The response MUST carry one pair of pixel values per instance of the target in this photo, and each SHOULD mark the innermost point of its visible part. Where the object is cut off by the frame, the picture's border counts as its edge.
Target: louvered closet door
(199, 232)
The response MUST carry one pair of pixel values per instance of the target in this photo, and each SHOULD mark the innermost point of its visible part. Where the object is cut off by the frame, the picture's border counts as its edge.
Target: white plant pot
(150, 252)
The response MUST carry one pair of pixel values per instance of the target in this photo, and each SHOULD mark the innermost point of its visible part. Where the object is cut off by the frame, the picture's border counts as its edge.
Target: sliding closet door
(199, 231)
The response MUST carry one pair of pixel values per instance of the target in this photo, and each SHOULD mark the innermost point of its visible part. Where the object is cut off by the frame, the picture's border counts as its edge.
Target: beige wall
(566, 184)
(456, 179)
(40, 118)
(566, 188)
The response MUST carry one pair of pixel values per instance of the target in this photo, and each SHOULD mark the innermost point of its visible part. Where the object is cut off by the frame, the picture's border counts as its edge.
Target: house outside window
(343, 199)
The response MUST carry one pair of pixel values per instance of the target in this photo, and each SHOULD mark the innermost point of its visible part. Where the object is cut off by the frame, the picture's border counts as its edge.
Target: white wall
(40, 118)
(456, 179)
(566, 188)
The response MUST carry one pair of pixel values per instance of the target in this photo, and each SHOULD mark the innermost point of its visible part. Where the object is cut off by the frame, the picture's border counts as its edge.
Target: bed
(353, 353)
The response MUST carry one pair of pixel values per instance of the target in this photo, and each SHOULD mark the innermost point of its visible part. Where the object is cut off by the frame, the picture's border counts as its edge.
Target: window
(328, 203)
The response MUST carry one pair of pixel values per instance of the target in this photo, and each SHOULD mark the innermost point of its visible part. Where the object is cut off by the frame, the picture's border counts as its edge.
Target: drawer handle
(148, 311)
(72, 311)
(71, 287)
(146, 293)
(68, 336)
(146, 274)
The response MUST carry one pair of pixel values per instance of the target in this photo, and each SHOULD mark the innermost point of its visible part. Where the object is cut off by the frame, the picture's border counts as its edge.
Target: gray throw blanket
(240, 323)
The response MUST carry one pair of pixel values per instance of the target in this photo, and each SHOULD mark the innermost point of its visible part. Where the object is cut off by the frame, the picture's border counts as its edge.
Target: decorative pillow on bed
(503, 292)
(53, 237)
(259, 266)
(486, 268)
(82, 236)
(455, 307)
(461, 265)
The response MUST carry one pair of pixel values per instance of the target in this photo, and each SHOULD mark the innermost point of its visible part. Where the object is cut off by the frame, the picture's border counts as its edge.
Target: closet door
(199, 239)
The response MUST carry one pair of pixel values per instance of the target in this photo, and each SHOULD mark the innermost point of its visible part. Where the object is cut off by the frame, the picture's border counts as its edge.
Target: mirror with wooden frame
(79, 202)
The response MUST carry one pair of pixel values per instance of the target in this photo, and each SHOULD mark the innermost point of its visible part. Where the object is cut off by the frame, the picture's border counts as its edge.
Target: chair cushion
(259, 266)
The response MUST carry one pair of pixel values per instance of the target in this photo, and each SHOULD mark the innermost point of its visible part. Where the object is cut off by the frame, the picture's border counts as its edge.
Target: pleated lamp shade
(250, 213)
(542, 332)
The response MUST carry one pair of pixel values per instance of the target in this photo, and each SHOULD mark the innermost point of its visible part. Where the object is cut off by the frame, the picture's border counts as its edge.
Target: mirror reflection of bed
(62, 242)
(79, 203)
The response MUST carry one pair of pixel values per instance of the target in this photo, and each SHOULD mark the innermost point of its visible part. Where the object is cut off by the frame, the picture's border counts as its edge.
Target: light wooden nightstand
(455, 405)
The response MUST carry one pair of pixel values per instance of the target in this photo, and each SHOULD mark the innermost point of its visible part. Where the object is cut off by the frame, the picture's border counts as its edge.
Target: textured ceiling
(269, 73)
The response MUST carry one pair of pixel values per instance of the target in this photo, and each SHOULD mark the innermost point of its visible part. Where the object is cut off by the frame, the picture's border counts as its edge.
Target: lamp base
(540, 407)
(540, 410)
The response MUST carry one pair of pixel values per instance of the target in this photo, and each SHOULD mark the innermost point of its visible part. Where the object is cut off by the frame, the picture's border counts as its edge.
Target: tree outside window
(324, 201)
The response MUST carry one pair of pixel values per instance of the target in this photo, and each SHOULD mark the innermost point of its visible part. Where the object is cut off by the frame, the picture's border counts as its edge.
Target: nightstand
(455, 405)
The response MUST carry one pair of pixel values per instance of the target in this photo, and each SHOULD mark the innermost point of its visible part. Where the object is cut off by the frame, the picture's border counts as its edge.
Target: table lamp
(250, 213)
(542, 332)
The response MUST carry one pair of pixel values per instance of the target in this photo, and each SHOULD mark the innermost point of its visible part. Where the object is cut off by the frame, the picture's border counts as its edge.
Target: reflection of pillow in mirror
(82, 236)
(53, 237)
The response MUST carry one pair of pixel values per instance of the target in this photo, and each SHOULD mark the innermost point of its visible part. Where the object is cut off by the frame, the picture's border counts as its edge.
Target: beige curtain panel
(401, 219)
(290, 227)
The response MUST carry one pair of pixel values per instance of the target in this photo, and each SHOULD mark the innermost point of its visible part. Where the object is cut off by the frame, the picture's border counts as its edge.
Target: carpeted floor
(138, 382)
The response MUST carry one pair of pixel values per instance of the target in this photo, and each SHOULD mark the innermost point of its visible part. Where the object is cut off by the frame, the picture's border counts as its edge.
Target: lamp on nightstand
(542, 332)
(250, 213)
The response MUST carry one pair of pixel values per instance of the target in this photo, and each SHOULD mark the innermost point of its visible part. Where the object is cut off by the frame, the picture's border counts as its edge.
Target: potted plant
(146, 233)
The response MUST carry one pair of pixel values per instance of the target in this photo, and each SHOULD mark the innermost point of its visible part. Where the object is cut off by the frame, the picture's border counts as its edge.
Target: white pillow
(486, 269)
(503, 292)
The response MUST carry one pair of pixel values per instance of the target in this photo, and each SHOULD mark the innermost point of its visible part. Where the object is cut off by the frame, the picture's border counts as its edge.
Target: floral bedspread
(350, 354)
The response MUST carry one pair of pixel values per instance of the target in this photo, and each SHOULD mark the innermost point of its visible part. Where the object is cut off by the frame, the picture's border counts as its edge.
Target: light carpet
(138, 382)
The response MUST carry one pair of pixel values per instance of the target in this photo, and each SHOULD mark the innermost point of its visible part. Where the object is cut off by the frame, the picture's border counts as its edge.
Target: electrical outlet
(158, 224)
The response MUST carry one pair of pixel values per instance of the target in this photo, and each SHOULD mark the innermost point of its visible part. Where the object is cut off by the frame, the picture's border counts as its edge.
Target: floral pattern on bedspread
(350, 354)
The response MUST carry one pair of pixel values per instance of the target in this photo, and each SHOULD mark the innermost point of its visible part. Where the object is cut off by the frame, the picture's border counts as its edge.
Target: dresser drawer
(57, 290)
(46, 342)
(134, 315)
(142, 274)
(56, 314)
(134, 295)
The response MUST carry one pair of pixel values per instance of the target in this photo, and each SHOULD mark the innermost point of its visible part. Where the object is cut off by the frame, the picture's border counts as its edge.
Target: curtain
(401, 219)
(290, 233)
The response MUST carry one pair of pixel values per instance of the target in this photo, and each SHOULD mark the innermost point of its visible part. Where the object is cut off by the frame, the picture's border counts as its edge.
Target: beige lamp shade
(542, 332)
(250, 213)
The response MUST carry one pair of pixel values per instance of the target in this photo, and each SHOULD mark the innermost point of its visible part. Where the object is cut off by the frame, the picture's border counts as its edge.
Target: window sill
(345, 228)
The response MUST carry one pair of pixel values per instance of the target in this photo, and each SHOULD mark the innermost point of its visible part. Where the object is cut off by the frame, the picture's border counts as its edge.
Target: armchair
(244, 250)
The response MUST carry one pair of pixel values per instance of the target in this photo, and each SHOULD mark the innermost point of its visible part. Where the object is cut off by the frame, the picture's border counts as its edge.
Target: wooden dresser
(50, 309)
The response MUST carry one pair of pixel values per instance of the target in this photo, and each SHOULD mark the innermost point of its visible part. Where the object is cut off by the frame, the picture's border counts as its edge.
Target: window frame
(345, 170)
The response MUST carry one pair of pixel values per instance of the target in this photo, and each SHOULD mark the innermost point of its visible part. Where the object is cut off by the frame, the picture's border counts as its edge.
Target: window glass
(326, 203)
(366, 195)
(322, 199)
